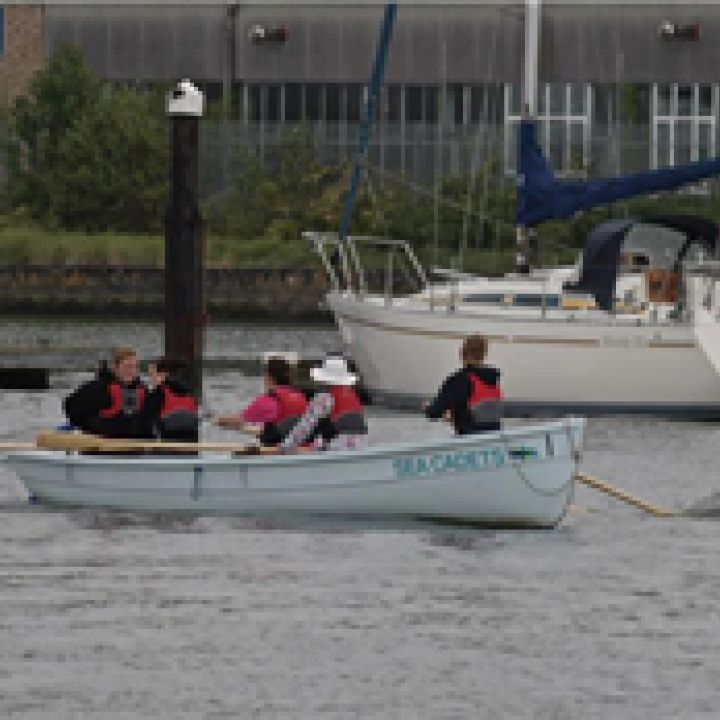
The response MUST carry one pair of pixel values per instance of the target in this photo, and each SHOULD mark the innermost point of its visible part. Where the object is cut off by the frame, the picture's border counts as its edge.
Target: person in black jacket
(111, 405)
(471, 397)
(171, 410)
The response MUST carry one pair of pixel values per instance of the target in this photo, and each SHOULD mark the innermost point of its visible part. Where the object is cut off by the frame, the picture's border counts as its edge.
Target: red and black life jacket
(179, 418)
(346, 417)
(485, 401)
(174, 402)
(292, 404)
(117, 396)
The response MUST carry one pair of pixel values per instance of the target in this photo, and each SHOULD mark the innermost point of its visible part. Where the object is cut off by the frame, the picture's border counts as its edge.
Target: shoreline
(293, 296)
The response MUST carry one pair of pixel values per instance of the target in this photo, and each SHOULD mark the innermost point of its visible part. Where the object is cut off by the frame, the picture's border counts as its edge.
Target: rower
(171, 409)
(111, 404)
(271, 415)
(471, 397)
(334, 418)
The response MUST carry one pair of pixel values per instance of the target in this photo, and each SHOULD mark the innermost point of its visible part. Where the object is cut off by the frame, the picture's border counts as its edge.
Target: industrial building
(622, 86)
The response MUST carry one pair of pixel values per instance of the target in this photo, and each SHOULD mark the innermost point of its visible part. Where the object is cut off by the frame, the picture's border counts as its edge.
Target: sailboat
(615, 334)
(605, 343)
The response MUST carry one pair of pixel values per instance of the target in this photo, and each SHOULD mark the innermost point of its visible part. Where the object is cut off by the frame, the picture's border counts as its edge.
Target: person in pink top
(273, 414)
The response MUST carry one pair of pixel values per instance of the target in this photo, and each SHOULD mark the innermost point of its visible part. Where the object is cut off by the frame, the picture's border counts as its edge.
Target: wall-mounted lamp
(262, 34)
(672, 31)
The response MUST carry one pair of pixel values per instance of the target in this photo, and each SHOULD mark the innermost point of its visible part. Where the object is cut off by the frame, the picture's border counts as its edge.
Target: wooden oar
(95, 443)
(626, 497)
(16, 445)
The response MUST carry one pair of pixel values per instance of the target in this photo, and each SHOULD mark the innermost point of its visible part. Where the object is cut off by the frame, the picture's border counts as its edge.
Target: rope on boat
(517, 466)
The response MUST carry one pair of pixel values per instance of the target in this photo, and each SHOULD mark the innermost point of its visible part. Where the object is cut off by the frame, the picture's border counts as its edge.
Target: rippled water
(612, 615)
(148, 337)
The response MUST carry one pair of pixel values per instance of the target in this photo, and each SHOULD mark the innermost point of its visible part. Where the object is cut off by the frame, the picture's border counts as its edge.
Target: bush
(85, 156)
(111, 167)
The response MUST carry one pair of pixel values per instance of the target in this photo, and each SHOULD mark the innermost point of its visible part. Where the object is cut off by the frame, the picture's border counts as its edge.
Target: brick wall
(24, 49)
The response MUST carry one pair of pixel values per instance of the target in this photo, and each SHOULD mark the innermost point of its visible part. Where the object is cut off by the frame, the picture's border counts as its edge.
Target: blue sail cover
(541, 196)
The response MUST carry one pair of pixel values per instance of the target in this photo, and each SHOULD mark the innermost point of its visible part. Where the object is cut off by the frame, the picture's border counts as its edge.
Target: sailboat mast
(529, 111)
(373, 98)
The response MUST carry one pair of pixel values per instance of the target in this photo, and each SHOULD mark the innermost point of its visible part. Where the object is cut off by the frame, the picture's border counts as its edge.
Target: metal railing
(348, 273)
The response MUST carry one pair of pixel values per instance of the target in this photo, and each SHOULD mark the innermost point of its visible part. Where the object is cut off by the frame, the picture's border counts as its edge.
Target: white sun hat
(333, 371)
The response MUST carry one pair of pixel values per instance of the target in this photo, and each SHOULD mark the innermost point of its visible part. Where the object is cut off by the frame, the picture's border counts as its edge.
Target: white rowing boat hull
(519, 477)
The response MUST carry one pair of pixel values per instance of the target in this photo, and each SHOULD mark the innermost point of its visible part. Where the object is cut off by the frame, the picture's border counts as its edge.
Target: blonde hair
(474, 349)
(119, 354)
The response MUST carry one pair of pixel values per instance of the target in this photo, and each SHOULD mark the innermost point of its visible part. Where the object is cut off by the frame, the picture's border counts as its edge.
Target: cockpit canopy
(659, 244)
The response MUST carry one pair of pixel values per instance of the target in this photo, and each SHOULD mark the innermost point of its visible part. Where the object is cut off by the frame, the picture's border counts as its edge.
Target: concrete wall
(282, 295)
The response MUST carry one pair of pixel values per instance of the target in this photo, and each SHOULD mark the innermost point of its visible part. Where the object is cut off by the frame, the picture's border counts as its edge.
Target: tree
(87, 156)
(245, 210)
(110, 170)
(58, 95)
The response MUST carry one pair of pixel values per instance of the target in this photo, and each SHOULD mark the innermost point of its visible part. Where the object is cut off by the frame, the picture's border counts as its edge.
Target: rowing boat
(518, 477)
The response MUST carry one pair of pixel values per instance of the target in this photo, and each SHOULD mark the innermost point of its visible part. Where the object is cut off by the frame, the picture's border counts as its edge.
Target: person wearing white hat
(334, 418)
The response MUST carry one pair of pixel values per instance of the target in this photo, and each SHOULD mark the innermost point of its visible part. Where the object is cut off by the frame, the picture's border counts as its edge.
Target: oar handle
(18, 446)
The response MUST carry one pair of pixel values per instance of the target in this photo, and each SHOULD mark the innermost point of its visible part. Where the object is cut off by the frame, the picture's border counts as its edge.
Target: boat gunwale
(421, 308)
(567, 425)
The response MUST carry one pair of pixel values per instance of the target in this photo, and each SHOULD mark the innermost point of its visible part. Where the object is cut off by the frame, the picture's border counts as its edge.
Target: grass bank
(23, 244)
(26, 244)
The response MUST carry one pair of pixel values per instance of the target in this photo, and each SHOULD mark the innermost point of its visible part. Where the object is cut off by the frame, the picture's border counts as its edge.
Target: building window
(354, 102)
(413, 104)
(455, 105)
(293, 103)
(393, 113)
(256, 114)
(332, 102)
(314, 102)
(563, 125)
(431, 105)
(274, 105)
(683, 123)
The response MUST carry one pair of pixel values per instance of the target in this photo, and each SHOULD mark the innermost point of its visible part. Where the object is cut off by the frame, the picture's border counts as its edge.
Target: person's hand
(157, 378)
(229, 423)
(237, 423)
(448, 416)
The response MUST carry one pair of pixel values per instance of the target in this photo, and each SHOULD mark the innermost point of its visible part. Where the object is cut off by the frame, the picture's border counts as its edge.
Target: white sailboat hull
(403, 353)
(519, 477)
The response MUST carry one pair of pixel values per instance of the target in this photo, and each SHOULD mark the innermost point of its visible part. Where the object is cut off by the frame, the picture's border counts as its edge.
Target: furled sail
(541, 196)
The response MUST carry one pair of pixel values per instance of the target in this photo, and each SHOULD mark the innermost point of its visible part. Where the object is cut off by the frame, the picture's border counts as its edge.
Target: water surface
(612, 615)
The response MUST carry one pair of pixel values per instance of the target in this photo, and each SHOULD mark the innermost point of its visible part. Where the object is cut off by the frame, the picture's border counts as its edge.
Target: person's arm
(83, 404)
(318, 408)
(452, 394)
(261, 410)
(234, 422)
